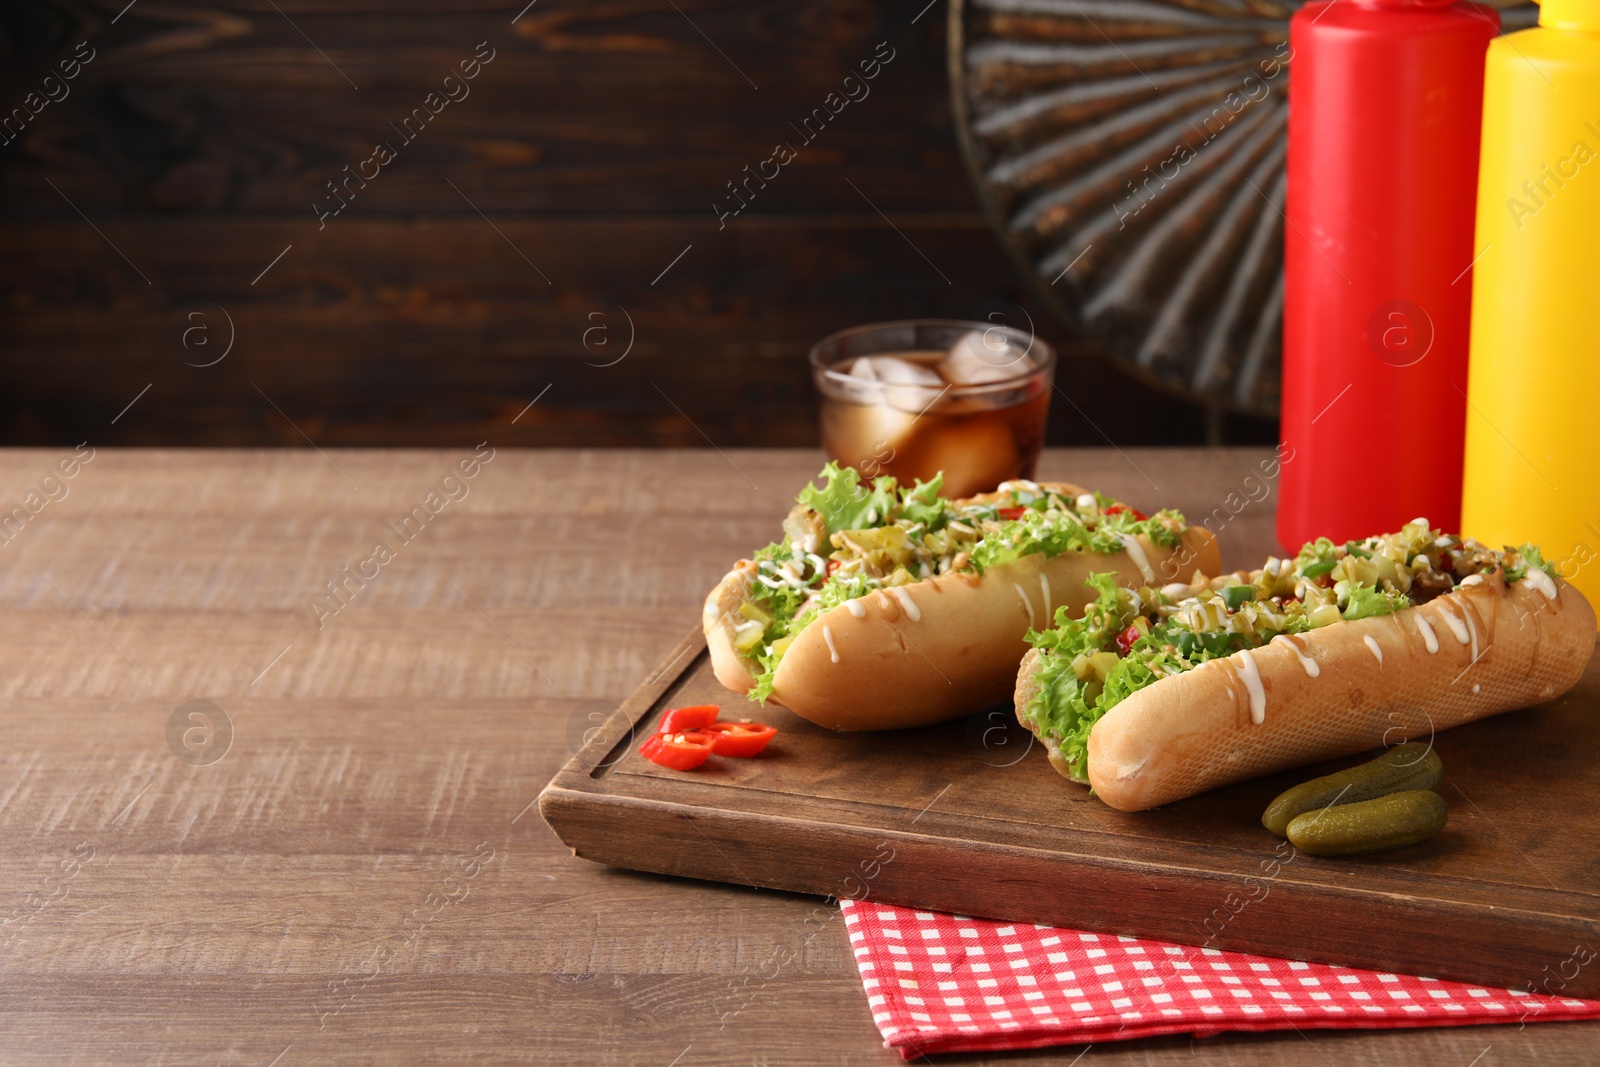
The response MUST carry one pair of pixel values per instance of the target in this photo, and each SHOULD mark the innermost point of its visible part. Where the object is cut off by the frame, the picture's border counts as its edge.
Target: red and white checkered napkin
(946, 983)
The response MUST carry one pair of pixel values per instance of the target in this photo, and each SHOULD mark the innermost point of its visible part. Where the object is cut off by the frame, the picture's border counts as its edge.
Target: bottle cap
(1570, 15)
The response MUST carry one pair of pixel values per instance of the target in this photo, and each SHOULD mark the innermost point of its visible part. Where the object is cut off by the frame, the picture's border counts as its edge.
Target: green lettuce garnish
(1367, 602)
(1079, 682)
(1032, 533)
(769, 670)
(845, 503)
(1532, 556)
(834, 592)
(924, 503)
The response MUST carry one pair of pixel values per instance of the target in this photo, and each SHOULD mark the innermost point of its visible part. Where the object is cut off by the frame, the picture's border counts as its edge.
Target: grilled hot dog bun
(1155, 696)
(1495, 647)
(934, 649)
(944, 647)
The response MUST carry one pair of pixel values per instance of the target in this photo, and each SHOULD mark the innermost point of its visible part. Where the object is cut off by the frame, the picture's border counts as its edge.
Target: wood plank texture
(312, 895)
(624, 109)
(469, 273)
(358, 344)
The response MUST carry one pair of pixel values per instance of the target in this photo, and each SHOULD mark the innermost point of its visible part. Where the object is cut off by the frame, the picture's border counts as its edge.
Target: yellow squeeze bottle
(1532, 469)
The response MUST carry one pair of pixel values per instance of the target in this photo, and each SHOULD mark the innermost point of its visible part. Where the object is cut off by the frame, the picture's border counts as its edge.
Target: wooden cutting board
(969, 817)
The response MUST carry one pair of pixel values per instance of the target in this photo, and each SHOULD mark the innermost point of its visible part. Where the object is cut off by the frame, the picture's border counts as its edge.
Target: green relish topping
(847, 538)
(1128, 639)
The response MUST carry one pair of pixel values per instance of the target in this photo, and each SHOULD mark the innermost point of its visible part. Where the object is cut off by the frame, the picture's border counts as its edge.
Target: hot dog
(1156, 694)
(887, 606)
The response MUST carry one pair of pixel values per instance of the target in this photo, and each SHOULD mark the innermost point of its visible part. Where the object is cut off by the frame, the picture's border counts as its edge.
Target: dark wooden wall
(524, 226)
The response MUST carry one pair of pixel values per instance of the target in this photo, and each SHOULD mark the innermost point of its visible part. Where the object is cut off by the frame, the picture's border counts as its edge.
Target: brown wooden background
(191, 148)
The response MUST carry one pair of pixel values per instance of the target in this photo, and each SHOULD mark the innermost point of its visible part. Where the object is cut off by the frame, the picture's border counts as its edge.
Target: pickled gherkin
(1393, 821)
(1410, 766)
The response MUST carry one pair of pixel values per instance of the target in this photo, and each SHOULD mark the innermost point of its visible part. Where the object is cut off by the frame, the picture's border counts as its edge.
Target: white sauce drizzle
(856, 608)
(1086, 500)
(1312, 668)
(1176, 590)
(1472, 579)
(1136, 553)
(1466, 613)
(1541, 581)
(1033, 620)
(1251, 676)
(913, 612)
(1372, 646)
(1457, 627)
(827, 635)
(1044, 587)
(1429, 638)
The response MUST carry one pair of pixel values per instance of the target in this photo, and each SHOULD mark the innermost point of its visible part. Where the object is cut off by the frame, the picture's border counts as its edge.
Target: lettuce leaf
(769, 671)
(925, 503)
(1532, 556)
(846, 504)
(1367, 602)
(1032, 533)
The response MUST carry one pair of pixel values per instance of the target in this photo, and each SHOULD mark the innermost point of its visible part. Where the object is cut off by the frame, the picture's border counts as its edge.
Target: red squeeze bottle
(1385, 110)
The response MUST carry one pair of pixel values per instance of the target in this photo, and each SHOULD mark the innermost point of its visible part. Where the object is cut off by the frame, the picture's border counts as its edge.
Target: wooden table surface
(356, 873)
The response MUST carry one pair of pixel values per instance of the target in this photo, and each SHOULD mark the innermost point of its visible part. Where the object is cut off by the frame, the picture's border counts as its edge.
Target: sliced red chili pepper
(1011, 513)
(740, 739)
(698, 717)
(1126, 639)
(833, 565)
(679, 752)
(1118, 509)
